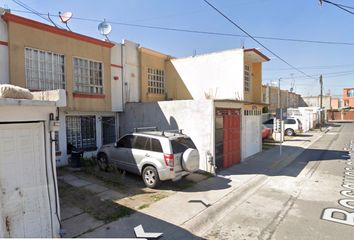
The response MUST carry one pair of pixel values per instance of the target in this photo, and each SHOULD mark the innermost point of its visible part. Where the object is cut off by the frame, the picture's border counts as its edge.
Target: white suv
(155, 155)
(291, 125)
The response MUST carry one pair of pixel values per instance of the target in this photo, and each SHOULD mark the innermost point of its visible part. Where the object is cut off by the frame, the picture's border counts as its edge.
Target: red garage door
(232, 144)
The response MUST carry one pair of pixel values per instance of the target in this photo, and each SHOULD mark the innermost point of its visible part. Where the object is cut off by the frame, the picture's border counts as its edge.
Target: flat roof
(9, 17)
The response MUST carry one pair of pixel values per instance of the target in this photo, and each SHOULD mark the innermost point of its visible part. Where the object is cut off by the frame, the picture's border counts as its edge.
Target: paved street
(289, 204)
(267, 197)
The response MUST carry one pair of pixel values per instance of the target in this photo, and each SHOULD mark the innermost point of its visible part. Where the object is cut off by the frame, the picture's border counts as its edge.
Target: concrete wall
(265, 94)
(117, 78)
(293, 100)
(273, 98)
(27, 110)
(284, 98)
(46, 38)
(169, 115)
(334, 103)
(131, 72)
(314, 101)
(213, 76)
(4, 52)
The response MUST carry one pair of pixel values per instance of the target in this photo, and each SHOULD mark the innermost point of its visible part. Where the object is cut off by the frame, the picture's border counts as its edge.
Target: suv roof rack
(145, 129)
(172, 131)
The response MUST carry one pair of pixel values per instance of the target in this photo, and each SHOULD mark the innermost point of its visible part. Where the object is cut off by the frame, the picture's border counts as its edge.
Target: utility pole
(279, 94)
(281, 118)
(321, 99)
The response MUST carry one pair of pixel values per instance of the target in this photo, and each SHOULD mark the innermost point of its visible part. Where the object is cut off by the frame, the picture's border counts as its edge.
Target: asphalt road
(312, 198)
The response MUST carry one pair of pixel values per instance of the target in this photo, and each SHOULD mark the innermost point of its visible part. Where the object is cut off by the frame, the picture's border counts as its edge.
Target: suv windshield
(182, 144)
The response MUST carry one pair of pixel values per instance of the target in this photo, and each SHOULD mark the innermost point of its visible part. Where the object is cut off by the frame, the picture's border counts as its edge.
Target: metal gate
(108, 130)
(24, 197)
(252, 135)
(228, 135)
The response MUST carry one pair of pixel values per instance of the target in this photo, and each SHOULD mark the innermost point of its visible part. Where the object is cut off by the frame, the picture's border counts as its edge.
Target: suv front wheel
(150, 177)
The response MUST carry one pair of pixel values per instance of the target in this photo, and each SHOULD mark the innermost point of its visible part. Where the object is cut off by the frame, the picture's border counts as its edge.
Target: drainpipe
(122, 72)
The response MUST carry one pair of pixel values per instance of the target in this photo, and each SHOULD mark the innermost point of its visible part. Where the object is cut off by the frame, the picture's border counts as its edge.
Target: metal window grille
(44, 70)
(88, 76)
(247, 78)
(81, 131)
(156, 81)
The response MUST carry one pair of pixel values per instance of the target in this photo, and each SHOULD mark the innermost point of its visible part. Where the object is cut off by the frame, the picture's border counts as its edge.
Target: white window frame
(88, 76)
(44, 70)
(247, 77)
(156, 81)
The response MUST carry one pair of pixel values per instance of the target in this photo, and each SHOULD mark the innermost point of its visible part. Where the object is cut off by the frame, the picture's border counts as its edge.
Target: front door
(108, 130)
(232, 145)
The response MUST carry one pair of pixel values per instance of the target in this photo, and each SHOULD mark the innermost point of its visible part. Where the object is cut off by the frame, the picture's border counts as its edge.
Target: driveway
(90, 198)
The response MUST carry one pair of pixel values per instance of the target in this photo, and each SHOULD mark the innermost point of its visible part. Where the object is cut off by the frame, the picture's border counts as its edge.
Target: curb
(201, 222)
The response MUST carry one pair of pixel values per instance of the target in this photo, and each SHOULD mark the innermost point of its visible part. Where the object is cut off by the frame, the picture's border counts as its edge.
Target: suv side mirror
(115, 144)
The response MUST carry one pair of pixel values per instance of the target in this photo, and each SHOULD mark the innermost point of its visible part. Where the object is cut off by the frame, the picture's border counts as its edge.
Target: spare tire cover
(190, 160)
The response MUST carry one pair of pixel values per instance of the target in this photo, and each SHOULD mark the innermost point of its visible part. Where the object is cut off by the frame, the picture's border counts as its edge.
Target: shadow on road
(271, 163)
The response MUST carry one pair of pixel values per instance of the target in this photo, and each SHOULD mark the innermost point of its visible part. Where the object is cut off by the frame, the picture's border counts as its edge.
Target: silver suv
(155, 155)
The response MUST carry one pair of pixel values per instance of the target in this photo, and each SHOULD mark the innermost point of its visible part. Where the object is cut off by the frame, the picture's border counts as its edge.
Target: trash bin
(75, 159)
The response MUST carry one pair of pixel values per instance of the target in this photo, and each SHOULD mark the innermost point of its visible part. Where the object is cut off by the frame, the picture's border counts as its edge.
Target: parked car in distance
(291, 125)
(155, 155)
(266, 132)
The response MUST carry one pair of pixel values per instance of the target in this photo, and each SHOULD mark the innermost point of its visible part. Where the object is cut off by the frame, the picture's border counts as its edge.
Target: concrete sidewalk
(189, 213)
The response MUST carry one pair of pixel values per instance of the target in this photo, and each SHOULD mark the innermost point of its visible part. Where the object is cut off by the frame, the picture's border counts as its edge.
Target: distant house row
(279, 98)
(111, 88)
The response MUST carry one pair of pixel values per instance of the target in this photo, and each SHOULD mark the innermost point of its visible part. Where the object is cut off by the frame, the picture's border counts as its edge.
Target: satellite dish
(65, 16)
(104, 28)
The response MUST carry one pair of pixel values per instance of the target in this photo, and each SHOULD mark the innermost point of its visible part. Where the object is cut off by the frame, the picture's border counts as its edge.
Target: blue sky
(299, 19)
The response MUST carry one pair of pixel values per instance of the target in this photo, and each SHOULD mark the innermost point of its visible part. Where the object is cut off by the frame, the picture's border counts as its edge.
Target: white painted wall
(251, 135)
(117, 85)
(26, 110)
(4, 52)
(213, 76)
(131, 71)
(62, 160)
(195, 117)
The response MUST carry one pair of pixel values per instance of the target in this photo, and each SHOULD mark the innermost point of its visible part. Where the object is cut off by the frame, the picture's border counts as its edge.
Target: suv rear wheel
(289, 132)
(150, 177)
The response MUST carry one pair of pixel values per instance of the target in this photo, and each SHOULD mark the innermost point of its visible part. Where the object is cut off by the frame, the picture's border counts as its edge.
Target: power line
(203, 32)
(33, 11)
(311, 67)
(249, 35)
(328, 75)
(340, 6)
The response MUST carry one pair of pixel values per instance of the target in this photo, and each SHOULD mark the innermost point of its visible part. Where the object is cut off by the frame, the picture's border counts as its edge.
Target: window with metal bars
(44, 70)
(156, 81)
(88, 76)
(81, 132)
(247, 78)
